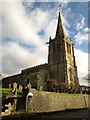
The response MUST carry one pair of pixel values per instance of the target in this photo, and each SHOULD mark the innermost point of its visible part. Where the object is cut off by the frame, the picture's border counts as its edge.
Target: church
(61, 65)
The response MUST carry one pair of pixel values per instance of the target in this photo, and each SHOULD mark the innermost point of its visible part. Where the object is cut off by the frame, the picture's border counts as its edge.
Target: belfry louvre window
(58, 46)
(68, 47)
(53, 47)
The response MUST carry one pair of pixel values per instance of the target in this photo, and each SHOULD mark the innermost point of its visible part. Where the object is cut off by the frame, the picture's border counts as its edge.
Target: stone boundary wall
(48, 102)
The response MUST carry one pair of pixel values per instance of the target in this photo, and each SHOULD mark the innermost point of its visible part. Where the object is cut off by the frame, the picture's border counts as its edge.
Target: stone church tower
(61, 58)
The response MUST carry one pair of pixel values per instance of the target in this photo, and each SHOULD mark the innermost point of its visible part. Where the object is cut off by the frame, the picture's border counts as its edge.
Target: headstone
(40, 88)
(29, 86)
(20, 88)
(9, 85)
(14, 105)
(15, 89)
(9, 109)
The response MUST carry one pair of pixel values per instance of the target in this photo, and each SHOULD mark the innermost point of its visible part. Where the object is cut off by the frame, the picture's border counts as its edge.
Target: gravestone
(9, 110)
(40, 88)
(20, 88)
(15, 89)
(9, 85)
(29, 86)
(15, 95)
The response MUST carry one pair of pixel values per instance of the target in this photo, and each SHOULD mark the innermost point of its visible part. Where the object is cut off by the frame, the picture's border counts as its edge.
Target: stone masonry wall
(47, 102)
(35, 75)
(11, 79)
(42, 77)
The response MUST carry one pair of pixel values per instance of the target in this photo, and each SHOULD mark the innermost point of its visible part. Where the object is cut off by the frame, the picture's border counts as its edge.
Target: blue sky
(27, 26)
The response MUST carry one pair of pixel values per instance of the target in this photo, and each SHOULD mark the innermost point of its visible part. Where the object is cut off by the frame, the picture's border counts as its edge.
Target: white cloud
(67, 32)
(51, 29)
(15, 58)
(64, 16)
(89, 34)
(17, 24)
(81, 37)
(20, 25)
(39, 18)
(82, 30)
(81, 24)
(86, 30)
(89, 30)
(82, 65)
(0, 18)
(9, 1)
(82, 34)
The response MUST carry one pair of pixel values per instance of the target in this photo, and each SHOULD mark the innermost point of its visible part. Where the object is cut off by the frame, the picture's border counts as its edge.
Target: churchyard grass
(6, 90)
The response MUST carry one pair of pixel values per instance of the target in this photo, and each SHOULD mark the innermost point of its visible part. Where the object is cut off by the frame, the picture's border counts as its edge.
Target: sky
(27, 26)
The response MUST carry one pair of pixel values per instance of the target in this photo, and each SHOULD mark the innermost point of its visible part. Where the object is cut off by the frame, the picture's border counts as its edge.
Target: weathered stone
(48, 102)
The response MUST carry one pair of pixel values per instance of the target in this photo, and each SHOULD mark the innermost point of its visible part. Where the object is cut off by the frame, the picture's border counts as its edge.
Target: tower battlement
(35, 68)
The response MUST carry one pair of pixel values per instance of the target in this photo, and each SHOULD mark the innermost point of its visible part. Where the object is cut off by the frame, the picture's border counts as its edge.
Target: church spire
(59, 30)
